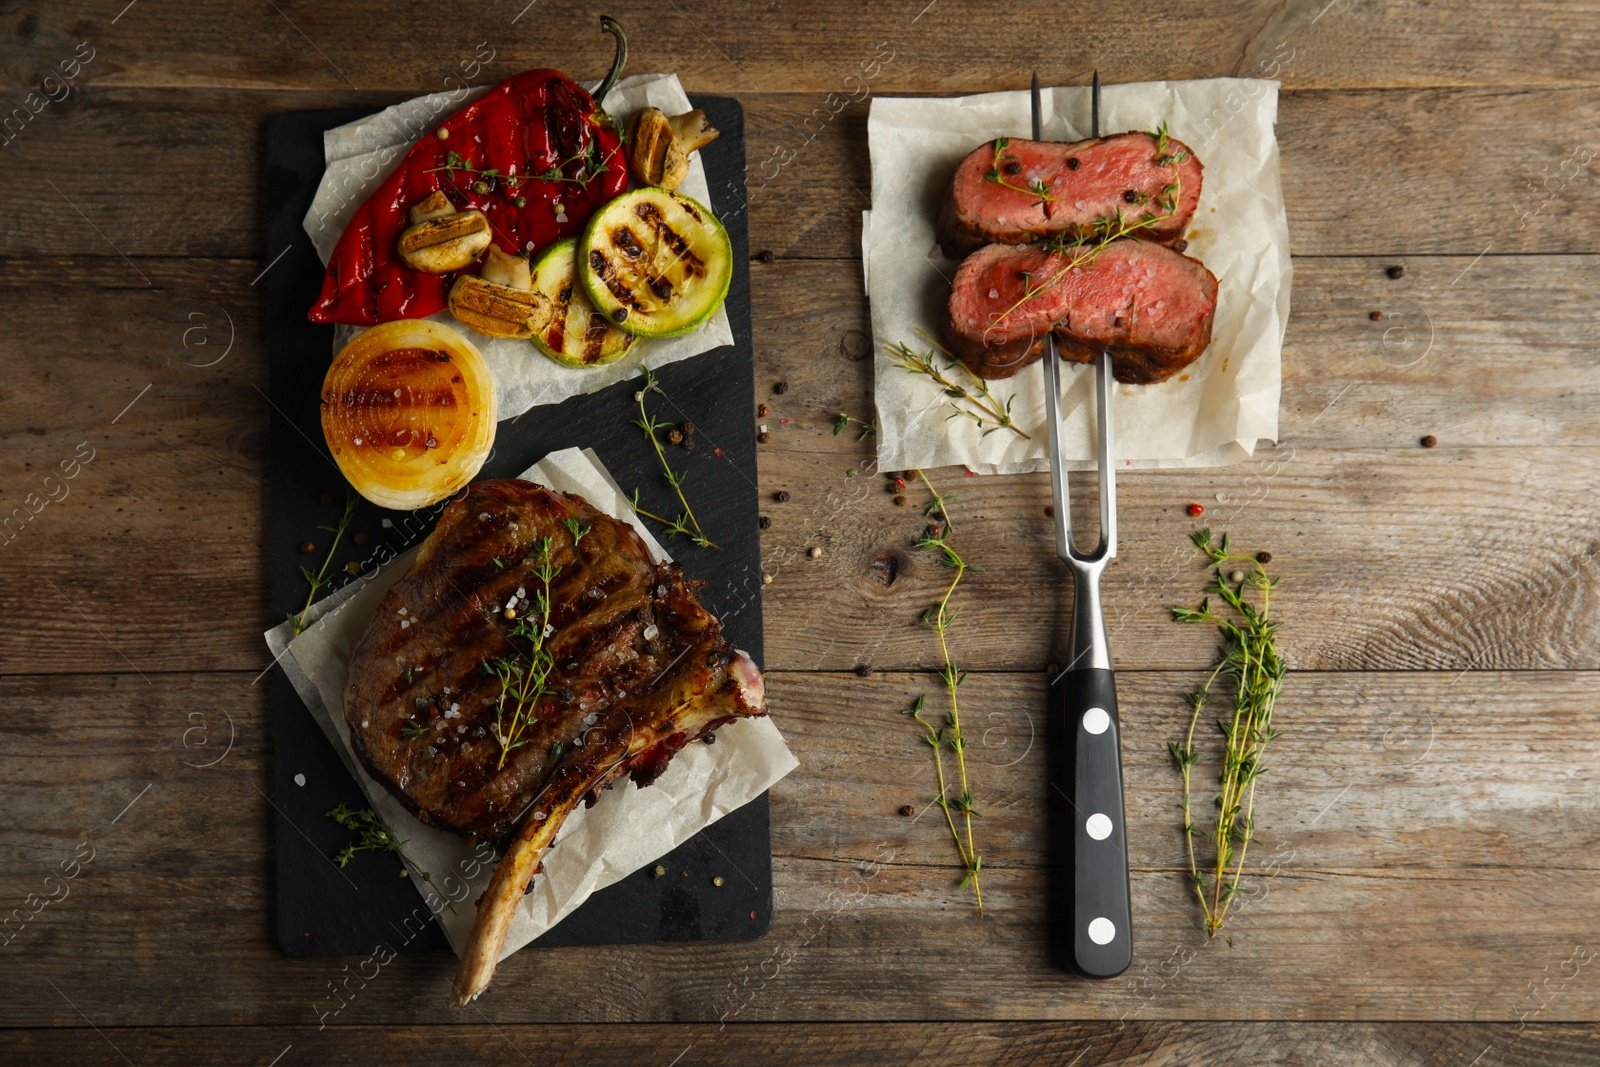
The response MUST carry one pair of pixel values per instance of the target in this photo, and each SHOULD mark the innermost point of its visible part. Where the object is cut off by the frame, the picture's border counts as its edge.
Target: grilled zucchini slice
(577, 335)
(655, 262)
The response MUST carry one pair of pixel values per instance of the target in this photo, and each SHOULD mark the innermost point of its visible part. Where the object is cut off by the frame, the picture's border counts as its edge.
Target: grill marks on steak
(1083, 180)
(640, 670)
(1149, 306)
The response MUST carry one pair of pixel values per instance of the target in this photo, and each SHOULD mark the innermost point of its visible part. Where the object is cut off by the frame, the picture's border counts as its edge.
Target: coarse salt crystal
(651, 631)
(405, 624)
(522, 590)
(483, 516)
(561, 217)
(994, 294)
(387, 524)
(405, 611)
(358, 440)
(299, 779)
(540, 816)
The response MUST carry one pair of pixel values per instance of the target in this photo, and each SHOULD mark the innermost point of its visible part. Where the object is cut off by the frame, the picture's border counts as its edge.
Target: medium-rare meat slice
(493, 715)
(1014, 192)
(1149, 306)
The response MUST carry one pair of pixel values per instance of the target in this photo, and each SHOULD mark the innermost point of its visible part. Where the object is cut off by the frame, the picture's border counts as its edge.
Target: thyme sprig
(846, 420)
(939, 619)
(317, 579)
(455, 163)
(981, 406)
(685, 525)
(524, 678)
(1251, 663)
(375, 836)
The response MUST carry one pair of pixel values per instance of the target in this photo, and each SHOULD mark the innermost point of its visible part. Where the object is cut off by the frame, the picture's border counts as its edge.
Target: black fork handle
(1090, 917)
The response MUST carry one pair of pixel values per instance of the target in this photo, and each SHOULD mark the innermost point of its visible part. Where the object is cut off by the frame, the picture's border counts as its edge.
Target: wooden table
(1428, 831)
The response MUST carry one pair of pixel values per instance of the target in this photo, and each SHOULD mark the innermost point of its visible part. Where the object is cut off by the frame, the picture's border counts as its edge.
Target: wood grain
(815, 48)
(1356, 166)
(1506, 581)
(1421, 857)
(1001, 1044)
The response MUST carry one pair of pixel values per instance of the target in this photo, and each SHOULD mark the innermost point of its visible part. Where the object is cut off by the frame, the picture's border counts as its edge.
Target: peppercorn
(1050, 511)
(1073, 164)
(781, 496)
(1052, 668)
(717, 881)
(1197, 510)
(763, 437)
(1013, 167)
(352, 567)
(891, 488)
(766, 256)
(674, 437)
(688, 444)
(1236, 576)
(360, 538)
(933, 530)
(863, 669)
(1429, 441)
(1263, 557)
(762, 410)
(442, 133)
(710, 739)
(659, 871)
(764, 522)
(1131, 196)
(815, 552)
(908, 810)
(307, 547)
(1396, 271)
(900, 500)
(1375, 316)
(781, 388)
(1180, 246)
(688, 429)
(325, 498)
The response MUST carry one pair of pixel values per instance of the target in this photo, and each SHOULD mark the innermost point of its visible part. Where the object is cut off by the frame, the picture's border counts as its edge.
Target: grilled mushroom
(441, 239)
(659, 147)
(500, 302)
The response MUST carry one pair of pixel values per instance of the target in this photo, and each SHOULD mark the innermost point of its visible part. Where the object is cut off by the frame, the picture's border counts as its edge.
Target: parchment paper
(1240, 232)
(626, 829)
(360, 156)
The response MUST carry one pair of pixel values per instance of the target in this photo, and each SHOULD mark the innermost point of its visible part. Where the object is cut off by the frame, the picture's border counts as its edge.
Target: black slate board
(325, 911)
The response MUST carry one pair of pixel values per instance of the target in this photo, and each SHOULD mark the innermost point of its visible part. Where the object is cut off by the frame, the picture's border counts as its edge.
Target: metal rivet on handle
(1096, 721)
(1101, 931)
(1099, 826)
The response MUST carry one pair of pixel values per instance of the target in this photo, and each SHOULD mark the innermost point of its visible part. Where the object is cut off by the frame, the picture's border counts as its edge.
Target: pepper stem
(614, 28)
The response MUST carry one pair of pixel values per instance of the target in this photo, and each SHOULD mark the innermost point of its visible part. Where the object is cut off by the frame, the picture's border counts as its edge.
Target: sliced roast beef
(1149, 306)
(1014, 192)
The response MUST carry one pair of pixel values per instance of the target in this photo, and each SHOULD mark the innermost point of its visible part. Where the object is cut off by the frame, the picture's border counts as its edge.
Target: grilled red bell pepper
(534, 154)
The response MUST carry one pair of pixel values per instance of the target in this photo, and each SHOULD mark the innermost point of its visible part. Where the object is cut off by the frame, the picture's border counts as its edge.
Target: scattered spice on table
(1375, 316)
(907, 809)
(1197, 510)
(764, 522)
(1396, 272)
(762, 410)
(1429, 441)
(781, 388)
(781, 496)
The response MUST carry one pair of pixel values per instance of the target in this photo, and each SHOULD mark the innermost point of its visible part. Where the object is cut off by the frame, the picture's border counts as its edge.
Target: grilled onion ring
(408, 410)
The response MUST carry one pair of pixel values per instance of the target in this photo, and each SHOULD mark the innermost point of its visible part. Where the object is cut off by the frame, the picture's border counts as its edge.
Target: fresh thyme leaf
(686, 525)
(374, 836)
(318, 579)
(1251, 664)
(938, 619)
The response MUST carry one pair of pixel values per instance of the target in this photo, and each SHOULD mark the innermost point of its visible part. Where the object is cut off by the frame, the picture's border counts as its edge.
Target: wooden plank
(1001, 1044)
(817, 48)
(1356, 167)
(1454, 885)
(175, 482)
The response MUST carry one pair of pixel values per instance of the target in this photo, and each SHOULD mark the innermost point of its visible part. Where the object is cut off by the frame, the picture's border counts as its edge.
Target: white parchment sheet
(627, 828)
(1240, 231)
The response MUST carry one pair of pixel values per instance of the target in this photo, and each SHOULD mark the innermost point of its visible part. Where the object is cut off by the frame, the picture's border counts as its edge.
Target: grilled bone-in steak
(995, 195)
(636, 670)
(1149, 306)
